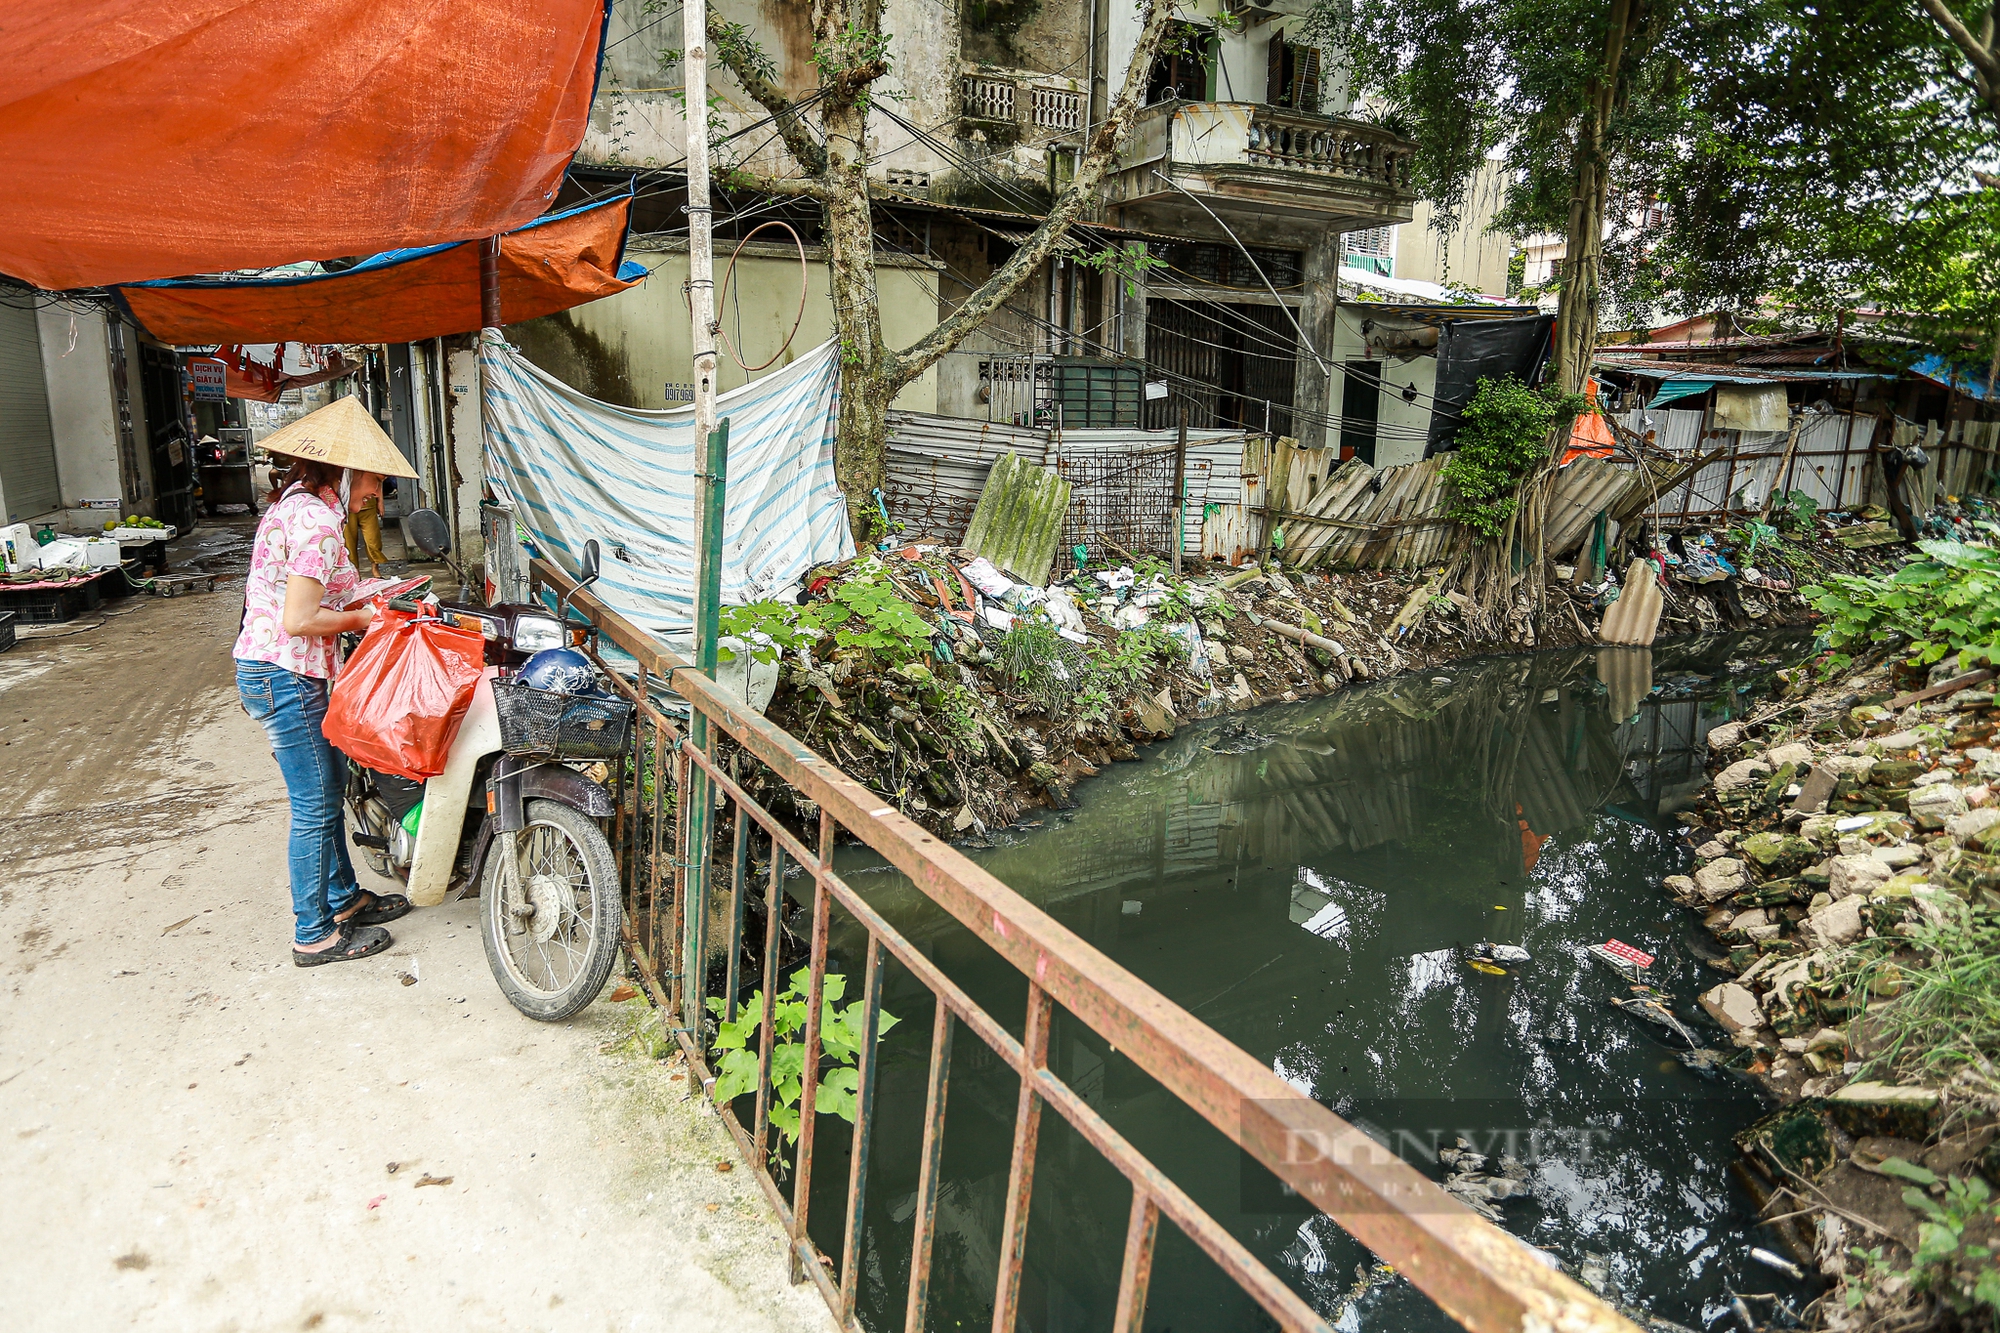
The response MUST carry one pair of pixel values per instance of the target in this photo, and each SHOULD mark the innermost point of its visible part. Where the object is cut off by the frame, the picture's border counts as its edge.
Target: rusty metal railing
(1483, 1278)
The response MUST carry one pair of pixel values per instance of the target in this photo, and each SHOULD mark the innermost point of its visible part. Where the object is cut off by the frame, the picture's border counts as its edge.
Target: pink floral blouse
(300, 534)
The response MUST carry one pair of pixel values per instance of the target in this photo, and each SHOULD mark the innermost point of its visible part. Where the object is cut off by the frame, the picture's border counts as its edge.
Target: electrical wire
(797, 319)
(664, 16)
(1383, 430)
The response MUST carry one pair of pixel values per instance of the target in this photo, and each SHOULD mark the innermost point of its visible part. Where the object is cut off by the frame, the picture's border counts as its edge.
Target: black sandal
(381, 909)
(355, 942)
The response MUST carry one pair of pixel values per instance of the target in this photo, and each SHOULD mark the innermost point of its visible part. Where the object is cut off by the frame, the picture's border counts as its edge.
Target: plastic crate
(6, 630)
(552, 725)
(52, 606)
(114, 585)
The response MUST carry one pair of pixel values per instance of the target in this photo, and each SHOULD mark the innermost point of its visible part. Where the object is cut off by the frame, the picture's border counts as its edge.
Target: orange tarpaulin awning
(403, 296)
(245, 378)
(150, 138)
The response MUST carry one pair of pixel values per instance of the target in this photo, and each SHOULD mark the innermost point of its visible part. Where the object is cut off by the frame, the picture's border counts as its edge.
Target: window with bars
(1056, 109)
(1228, 266)
(989, 99)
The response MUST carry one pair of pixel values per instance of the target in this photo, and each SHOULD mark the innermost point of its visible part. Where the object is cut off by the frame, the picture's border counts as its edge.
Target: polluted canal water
(1308, 880)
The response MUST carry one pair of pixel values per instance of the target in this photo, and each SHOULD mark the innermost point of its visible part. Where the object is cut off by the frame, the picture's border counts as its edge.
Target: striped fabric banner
(578, 469)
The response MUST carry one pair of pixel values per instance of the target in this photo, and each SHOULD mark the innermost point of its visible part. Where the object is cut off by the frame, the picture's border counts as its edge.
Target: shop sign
(210, 380)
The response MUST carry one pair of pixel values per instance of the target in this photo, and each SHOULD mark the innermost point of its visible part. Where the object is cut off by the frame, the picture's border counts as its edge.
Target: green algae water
(1306, 879)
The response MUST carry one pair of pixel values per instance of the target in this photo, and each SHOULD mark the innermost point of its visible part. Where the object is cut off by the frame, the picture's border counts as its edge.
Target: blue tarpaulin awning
(1672, 389)
(1935, 367)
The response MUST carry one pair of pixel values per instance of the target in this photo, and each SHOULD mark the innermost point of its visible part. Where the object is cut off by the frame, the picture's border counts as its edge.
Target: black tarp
(1472, 349)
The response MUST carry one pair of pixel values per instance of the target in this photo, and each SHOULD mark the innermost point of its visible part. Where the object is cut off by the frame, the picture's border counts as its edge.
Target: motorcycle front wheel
(551, 926)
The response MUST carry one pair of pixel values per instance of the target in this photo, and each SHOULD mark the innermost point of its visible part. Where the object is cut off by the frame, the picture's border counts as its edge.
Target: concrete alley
(197, 1135)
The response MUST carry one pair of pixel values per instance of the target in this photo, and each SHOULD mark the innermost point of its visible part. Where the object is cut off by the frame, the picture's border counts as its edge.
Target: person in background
(288, 652)
(364, 529)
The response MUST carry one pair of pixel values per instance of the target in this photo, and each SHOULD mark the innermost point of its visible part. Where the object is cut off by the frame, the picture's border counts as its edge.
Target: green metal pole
(711, 483)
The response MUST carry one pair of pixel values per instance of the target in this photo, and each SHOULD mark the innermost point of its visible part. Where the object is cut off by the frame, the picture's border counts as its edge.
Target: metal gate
(27, 440)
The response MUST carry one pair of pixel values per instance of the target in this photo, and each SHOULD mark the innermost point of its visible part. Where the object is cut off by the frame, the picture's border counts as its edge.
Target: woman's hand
(305, 618)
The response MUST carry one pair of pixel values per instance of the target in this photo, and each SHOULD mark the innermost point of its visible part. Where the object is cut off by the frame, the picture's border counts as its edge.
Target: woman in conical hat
(293, 614)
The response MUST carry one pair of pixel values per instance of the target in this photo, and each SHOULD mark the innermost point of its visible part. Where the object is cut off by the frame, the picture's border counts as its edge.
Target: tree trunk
(851, 56)
(866, 367)
(1576, 312)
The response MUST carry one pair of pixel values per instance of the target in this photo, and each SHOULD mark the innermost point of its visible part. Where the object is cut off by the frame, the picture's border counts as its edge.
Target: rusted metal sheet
(1480, 1276)
(1121, 479)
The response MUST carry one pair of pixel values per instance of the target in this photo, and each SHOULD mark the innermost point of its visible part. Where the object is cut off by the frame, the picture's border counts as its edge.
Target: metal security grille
(1096, 394)
(27, 441)
(1233, 365)
(1128, 498)
(989, 99)
(1056, 109)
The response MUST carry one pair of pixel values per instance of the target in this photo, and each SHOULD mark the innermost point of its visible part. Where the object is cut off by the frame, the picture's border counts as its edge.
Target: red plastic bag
(399, 699)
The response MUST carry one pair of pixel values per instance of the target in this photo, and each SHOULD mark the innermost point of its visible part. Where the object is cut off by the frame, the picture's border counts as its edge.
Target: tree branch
(1098, 158)
(741, 55)
(1985, 61)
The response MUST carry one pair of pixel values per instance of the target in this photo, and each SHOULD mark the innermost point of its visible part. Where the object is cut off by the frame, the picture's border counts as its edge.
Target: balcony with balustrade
(1287, 176)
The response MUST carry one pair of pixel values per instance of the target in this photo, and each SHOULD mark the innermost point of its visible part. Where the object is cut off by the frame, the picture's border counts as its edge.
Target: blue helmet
(564, 670)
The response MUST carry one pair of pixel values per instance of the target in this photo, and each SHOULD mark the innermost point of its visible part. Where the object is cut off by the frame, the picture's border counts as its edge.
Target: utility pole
(709, 452)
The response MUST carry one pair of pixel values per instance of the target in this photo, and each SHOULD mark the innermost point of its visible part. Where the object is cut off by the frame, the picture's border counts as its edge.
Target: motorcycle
(522, 832)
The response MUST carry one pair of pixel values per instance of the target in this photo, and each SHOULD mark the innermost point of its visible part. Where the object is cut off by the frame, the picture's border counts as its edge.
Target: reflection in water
(1305, 879)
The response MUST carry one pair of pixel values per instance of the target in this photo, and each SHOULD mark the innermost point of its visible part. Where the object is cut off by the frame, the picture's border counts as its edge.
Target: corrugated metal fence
(1121, 481)
(1351, 515)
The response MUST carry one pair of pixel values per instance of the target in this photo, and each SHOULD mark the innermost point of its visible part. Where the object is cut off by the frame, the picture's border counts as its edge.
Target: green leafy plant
(840, 1034)
(1502, 435)
(1796, 511)
(1945, 1265)
(1949, 601)
(1129, 262)
(1030, 660)
(864, 612)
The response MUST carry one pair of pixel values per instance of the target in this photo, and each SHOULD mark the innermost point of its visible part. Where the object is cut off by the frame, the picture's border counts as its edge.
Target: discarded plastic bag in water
(402, 693)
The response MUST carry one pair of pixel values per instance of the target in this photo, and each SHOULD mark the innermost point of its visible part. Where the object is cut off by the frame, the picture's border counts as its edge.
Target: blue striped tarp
(577, 469)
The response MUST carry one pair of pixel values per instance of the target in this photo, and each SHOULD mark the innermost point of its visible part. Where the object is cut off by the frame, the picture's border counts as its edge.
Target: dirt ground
(198, 1135)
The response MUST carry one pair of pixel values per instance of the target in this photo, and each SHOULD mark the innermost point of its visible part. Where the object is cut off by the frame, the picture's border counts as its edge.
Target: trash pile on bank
(1848, 867)
(968, 695)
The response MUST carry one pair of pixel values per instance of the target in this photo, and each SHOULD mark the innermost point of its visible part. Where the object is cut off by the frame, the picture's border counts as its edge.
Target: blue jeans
(291, 707)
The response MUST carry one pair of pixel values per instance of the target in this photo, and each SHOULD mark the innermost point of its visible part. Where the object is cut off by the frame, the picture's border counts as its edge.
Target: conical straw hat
(343, 434)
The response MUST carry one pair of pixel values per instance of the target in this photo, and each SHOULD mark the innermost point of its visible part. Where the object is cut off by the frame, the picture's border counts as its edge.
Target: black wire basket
(549, 724)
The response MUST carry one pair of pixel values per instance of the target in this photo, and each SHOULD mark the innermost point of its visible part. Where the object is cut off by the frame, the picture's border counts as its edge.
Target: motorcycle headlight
(534, 633)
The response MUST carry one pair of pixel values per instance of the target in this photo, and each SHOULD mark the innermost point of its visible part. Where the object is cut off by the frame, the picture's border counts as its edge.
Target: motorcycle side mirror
(430, 532)
(588, 572)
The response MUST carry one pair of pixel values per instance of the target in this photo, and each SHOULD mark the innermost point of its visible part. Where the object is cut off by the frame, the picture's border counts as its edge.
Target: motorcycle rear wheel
(551, 929)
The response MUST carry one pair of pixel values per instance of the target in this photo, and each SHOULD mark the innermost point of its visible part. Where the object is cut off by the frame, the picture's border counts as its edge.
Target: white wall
(1472, 254)
(1400, 427)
